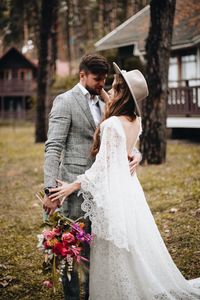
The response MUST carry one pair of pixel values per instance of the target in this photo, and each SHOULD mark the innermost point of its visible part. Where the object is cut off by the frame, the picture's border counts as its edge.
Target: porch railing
(16, 87)
(184, 101)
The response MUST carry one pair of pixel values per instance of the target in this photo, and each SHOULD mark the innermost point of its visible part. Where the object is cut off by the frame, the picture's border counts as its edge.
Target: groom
(72, 121)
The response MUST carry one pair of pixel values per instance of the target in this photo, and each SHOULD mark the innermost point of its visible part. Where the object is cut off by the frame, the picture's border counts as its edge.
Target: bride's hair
(123, 105)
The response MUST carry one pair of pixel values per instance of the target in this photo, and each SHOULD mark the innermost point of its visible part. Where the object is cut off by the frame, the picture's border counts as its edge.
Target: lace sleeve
(103, 202)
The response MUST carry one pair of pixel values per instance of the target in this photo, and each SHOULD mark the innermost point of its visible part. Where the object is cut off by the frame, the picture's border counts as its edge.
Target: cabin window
(22, 75)
(173, 71)
(7, 74)
(14, 74)
(29, 75)
(189, 67)
(183, 69)
(173, 68)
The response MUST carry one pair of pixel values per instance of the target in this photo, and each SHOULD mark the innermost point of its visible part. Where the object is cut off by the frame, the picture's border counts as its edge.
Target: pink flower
(56, 231)
(48, 235)
(76, 250)
(48, 284)
(79, 258)
(68, 238)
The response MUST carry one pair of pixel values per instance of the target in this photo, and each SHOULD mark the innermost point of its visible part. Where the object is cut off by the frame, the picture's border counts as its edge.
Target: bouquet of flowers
(62, 243)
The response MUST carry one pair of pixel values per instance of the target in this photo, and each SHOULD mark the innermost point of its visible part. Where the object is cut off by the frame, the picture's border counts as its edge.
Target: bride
(128, 260)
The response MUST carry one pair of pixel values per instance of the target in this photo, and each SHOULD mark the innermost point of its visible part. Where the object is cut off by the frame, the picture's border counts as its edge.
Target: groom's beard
(93, 91)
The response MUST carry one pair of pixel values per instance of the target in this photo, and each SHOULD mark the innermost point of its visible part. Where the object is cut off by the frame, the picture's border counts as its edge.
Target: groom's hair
(94, 63)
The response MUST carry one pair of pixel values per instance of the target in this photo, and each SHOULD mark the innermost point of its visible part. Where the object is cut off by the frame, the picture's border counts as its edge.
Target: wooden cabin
(17, 84)
(184, 72)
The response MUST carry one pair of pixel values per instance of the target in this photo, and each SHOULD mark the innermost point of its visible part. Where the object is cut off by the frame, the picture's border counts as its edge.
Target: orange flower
(52, 242)
(82, 225)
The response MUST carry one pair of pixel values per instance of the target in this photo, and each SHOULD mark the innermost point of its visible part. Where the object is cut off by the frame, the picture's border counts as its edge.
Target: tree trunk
(46, 20)
(35, 11)
(113, 15)
(130, 6)
(101, 19)
(53, 44)
(154, 108)
(68, 35)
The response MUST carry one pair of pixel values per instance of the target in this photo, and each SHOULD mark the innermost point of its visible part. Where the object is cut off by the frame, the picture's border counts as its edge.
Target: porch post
(179, 71)
(2, 107)
(198, 62)
(23, 107)
(198, 79)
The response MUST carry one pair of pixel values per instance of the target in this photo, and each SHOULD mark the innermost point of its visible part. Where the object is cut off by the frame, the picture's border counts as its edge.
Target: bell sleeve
(103, 186)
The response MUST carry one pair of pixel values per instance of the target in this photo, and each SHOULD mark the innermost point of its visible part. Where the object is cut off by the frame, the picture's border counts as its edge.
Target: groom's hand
(134, 161)
(50, 206)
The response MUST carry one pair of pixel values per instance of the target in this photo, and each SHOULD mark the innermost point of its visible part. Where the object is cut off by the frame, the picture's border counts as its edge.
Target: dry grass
(174, 185)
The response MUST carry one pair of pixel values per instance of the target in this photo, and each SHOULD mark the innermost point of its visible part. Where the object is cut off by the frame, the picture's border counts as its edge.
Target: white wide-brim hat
(136, 82)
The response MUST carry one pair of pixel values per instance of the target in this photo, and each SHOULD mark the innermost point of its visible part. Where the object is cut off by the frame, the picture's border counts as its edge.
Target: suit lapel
(83, 103)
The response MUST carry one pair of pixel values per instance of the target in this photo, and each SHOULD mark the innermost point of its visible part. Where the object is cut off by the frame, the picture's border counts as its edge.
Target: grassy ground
(172, 190)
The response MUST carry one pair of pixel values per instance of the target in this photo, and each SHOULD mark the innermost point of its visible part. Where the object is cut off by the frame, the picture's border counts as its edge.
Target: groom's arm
(59, 124)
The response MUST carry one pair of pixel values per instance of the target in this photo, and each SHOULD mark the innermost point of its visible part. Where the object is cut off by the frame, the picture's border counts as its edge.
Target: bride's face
(115, 93)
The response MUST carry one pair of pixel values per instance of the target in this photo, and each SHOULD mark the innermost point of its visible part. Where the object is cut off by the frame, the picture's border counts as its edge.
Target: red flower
(46, 245)
(60, 249)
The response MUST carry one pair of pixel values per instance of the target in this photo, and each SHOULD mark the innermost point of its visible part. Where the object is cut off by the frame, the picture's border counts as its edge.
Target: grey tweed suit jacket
(70, 136)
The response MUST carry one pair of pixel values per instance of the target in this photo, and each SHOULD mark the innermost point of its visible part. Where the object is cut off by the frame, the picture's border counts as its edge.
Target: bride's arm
(64, 190)
(91, 176)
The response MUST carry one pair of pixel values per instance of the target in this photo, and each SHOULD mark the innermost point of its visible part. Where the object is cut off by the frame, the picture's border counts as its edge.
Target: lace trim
(88, 205)
(101, 226)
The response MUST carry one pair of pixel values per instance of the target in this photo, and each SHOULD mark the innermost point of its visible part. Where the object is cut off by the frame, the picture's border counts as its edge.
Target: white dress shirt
(92, 101)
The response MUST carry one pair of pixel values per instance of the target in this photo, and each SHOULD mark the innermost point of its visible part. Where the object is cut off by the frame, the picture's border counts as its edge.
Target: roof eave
(184, 45)
(113, 46)
(118, 28)
(142, 51)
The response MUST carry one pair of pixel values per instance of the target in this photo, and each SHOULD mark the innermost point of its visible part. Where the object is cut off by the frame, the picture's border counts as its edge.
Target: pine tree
(154, 109)
(47, 19)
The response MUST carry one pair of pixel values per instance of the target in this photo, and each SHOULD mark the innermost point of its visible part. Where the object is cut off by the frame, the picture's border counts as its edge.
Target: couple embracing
(91, 149)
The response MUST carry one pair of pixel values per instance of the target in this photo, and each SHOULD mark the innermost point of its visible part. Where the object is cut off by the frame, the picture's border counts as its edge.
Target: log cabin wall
(17, 85)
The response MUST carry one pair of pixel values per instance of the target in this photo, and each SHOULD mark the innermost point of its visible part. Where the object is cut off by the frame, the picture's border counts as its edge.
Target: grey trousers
(72, 289)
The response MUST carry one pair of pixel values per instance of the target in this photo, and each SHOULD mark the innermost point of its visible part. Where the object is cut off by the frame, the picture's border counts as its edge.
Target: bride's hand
(61, 192)
(104, 96)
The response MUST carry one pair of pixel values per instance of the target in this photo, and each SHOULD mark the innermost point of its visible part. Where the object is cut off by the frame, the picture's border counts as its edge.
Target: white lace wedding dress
(129, 260)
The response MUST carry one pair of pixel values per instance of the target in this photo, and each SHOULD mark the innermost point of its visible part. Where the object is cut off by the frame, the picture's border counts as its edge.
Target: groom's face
(93, 82)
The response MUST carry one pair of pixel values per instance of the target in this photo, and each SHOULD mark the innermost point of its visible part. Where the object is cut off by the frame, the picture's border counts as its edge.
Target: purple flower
(89, 238)
(76, 227)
